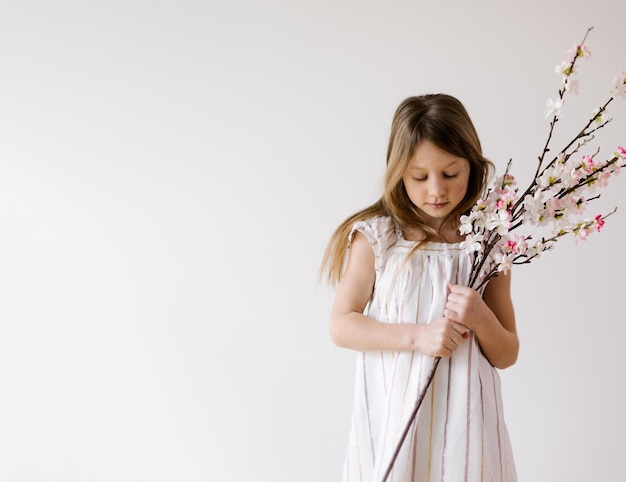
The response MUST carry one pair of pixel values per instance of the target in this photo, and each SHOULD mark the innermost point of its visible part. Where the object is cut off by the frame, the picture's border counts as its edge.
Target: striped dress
(459, 434)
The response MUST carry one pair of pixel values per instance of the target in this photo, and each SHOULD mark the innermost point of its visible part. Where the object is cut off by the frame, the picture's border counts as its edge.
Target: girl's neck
(446, 233)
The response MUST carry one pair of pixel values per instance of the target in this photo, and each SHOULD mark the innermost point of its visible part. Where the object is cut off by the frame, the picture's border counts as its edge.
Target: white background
(170, 174)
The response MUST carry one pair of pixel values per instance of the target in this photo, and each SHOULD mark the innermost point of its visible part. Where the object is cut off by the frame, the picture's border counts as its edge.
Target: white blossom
(504, 262)
(618, 86)
(553, 107)
(473, 242)
(467, 225)
(598, 118)
(571, 85)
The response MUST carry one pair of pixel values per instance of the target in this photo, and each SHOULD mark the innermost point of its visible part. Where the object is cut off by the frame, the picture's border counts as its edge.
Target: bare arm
(350, 328)
(491, 318)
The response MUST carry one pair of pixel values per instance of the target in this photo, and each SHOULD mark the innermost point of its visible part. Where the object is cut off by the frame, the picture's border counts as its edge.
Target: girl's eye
(450, 176)
(420, 179)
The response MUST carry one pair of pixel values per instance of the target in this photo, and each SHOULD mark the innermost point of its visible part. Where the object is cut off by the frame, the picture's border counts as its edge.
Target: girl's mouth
(438, 205)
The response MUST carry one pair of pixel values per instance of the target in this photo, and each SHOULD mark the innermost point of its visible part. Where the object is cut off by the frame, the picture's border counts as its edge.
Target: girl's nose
(436, 187)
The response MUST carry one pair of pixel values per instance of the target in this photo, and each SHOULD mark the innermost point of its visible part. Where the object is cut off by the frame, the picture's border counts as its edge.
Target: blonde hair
(442, 120)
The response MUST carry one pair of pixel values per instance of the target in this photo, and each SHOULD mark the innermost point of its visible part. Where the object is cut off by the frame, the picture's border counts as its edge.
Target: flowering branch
(555, 195)
(566, 68)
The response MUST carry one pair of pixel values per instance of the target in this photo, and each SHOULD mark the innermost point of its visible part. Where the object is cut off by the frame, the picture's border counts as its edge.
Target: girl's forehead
(427, 148)
(433, 157)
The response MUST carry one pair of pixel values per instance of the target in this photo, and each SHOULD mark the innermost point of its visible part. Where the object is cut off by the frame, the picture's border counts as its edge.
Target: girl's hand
(467, 307)
(441, 337)
(490, 317)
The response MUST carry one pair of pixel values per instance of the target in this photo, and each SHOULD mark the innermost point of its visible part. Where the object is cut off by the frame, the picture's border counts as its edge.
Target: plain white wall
(170, 174)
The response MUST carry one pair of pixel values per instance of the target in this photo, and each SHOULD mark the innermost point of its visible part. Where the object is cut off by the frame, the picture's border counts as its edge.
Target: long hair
(442, 120)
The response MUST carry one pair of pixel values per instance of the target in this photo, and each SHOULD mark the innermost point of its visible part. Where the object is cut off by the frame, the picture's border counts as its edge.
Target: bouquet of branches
(504, 227)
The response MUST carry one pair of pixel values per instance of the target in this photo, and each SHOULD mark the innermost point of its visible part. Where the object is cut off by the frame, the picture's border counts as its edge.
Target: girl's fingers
(461, 329)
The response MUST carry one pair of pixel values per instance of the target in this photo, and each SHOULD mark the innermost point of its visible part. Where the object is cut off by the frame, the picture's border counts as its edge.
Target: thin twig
(418, 403)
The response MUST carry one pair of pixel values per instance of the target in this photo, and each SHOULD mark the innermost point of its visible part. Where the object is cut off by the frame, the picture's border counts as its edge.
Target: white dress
(459, 434)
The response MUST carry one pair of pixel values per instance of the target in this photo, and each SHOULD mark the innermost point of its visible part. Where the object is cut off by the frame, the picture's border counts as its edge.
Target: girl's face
(436, 181)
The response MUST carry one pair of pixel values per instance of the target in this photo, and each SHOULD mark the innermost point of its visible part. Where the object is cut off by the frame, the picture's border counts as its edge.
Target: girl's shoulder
(380, 231)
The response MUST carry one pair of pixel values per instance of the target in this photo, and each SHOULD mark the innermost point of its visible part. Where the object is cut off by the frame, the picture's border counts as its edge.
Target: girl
(401, 300)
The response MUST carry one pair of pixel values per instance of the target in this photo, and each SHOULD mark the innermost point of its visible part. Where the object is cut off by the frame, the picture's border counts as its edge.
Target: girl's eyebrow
(418, 167)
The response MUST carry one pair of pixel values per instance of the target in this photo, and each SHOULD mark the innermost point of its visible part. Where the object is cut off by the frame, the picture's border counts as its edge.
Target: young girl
(401, 300)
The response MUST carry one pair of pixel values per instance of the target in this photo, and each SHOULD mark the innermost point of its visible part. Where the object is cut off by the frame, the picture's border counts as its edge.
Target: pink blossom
(507, 194)
(515, 245)
(509, 180)
(583, 51)
(615, 169)
(598, 222)
(603, 178)
(581, 233)
(506, 200)
(510, 246)
(621, 152)
(554, 207)
(587, 164)
(522, 245)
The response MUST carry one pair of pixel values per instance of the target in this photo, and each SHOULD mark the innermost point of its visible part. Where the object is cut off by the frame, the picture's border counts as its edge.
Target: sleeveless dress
(459, 433)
